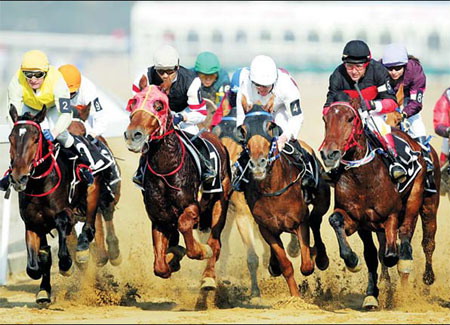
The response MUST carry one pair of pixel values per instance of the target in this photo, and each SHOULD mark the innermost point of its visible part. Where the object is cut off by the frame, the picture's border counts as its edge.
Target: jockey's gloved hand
(48, 135)
(282, 139)
(178, 118)
(370, 105)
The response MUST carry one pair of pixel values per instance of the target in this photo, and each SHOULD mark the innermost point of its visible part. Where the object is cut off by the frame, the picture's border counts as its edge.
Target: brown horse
(276, 199)
(367, 200)
(42, 176)
(173, 187)
(109, 196)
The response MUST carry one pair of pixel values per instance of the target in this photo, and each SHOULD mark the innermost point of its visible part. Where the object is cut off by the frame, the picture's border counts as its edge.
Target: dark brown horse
(42, 176)
(367, 200)
(109, 195)
(172, 183)
(276, 199)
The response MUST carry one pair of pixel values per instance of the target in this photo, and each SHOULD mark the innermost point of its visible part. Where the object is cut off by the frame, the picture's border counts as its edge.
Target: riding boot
(396, 170)
(239, 172)
(426, 153)
(300, 156)
(83, 163)
(138, 177)
(5, 182)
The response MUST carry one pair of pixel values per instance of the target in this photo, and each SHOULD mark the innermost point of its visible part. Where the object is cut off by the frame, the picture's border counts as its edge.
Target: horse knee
(336, 220)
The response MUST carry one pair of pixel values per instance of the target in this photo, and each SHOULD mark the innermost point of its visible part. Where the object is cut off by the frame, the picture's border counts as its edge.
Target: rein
(39, 159)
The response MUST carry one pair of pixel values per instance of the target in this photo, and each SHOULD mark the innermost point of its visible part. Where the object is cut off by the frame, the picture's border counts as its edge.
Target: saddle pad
(216, 185)
(409, 159)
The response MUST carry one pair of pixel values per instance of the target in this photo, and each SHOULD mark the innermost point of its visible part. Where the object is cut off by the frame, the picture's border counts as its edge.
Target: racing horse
(42, 176)
(109, 193)
(172, 188)
(367, 200)
(275, 197)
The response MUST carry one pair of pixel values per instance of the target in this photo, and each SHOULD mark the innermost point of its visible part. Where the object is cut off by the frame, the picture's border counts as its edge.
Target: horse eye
(158, 106)
(350, 119)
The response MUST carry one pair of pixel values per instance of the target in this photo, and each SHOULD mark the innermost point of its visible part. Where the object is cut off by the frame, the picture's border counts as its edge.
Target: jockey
(185, 100)
(37, 84)
(215, 80)
(373, 82)
(409, 81)
(265, 84)
(441, 122)
(83, 95)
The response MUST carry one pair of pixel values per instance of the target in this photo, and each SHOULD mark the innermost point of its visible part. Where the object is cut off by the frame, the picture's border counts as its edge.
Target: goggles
(73, 94)
(357, 66)
(161, 72)
(260, 86)
(36, 74)
(396, 68)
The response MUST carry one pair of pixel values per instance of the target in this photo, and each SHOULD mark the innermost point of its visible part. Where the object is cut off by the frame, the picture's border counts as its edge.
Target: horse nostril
(137, 135)
(263, 162)
(125, 135)
(23, 179)
(251, 164)
(334, 154)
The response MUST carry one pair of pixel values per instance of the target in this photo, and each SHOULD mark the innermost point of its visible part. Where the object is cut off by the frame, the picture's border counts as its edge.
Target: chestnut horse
(42, 177)
(367, 200)
(173, 187)
(109, 196)
(276, 199)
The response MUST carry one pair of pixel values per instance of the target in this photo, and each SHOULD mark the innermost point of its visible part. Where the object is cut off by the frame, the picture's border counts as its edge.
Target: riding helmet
(356, 51)
(207, 63)
(34, 60)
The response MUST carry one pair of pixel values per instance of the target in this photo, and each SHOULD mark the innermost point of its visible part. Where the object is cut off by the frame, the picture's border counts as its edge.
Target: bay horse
(109, 195)
(367, 200)
(42, 175)
(172, 182)
(276, 199)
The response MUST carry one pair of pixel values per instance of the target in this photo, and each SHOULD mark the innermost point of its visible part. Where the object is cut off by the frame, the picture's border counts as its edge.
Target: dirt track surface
(131, 293)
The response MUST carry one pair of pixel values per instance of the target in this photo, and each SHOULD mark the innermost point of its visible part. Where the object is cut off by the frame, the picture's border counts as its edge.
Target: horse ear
(39, 117)
(217, 130)
(245, 105)
(143, 82)
(13, 113)
(240, 133)
(269, 106)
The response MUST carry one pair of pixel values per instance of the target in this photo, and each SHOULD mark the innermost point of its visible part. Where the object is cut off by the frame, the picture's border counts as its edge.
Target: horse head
(26, 146)
(258, 135)
(149, 118)
(343, 129)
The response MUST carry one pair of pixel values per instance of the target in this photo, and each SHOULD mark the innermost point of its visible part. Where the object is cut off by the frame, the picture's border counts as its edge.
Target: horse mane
(26, 117)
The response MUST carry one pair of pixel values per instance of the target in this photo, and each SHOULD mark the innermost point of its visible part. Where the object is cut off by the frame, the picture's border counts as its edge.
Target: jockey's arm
(62, 103)
(416, 91)
(293, 110)
(15, 97)
(98, 118)
(441, 115)
(196, 111)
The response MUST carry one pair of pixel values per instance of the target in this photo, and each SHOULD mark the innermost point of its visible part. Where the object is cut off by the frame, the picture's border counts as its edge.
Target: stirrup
(138, 180)
(87, 176)
(398, 172)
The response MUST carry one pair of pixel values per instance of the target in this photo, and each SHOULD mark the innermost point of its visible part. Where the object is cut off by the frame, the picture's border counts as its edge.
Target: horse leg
(293, 248)
(175, 252)
(111, 239)
(315, 220)
(337, 221)
(219, 213)
(87, 234)
(370, 256)
(245, 227)
(100, 249)
(382, 247)
(33, 243)
(186, 222)
(307, 264)
(160, 243)
(277, 250)
(45, 264)
(429, 225)
(391, 256)
(64, 228)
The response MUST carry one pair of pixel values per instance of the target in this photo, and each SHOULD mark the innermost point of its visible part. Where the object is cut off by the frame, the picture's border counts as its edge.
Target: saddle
(200, 148)
(407, 157)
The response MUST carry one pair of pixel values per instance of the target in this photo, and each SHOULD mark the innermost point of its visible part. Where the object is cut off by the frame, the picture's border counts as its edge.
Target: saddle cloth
(409, 159)
(214, 186)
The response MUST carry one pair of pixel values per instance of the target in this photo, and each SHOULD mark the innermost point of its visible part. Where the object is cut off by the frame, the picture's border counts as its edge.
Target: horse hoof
(82, 257)
(116, 261)
(356, 268)
(274, 271)
(428, 278)
(208, 284)
(370, 303)
(405, 266)
(293, 248)
(101, 262)
(208, 252)
(67, 273)
(322, 262)
(43, 298)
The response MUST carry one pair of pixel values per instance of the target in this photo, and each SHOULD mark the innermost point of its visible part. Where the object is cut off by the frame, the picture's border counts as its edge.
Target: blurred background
(112, 41)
